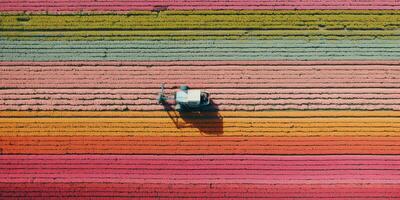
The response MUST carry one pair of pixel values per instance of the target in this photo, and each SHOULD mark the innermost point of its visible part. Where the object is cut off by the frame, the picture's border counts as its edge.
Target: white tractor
(186, 99)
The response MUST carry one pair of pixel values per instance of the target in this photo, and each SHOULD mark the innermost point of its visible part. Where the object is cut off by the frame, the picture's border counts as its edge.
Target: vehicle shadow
(207, 120)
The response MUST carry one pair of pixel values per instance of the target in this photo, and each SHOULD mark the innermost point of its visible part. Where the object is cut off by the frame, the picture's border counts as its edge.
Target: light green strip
(201, 50)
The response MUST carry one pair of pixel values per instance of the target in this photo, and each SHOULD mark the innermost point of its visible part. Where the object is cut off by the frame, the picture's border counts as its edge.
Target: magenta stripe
(184, 169)
(199, 190)
(61, 6)
(200, 166)
(199, 159)
(264, 180)
(213, 158)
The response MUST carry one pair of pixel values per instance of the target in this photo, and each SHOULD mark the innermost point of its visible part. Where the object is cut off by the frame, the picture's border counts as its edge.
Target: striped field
(305, 99)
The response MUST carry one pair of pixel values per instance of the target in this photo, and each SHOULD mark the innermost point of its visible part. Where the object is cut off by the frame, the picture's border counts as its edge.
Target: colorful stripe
(208, 20)
(121, 6)
(200, 50)
(201, 169)
(284, 132)
(258, 85)
(205, 25)
(231, 177)
(191, 190)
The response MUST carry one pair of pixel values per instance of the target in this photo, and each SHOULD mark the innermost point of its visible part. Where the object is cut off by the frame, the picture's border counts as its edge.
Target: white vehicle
(186, 99)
